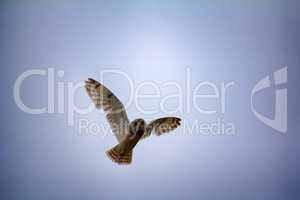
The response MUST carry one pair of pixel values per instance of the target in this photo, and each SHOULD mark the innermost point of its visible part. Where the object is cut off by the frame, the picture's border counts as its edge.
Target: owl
(127, 133)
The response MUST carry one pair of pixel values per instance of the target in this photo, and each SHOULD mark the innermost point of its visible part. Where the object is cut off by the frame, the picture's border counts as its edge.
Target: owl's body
(127, 134)
(122, 153)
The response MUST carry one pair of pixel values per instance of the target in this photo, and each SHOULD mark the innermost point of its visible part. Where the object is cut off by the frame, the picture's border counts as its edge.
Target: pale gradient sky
(43, 158)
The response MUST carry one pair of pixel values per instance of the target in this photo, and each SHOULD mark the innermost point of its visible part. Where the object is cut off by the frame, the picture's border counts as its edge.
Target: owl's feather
(161, 126)
(113, 107)
(118, 156)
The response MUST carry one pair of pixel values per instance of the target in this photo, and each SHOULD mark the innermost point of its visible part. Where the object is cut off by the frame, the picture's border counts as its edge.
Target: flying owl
(128, 134)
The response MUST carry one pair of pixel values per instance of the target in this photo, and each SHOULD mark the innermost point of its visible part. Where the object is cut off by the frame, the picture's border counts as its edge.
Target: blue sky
(42, 157)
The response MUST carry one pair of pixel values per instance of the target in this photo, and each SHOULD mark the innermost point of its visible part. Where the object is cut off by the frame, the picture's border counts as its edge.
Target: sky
(161, 58)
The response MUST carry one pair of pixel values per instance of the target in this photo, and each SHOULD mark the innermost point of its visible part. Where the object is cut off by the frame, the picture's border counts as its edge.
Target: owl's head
(137, 126)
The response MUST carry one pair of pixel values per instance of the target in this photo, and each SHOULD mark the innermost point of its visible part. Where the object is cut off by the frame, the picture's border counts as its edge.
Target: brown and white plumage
(162, 125)
(127, 134)
(113, 107)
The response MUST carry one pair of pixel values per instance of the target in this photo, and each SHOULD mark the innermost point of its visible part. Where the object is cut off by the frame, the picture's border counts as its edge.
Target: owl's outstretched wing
(113, 107)
(162, 125)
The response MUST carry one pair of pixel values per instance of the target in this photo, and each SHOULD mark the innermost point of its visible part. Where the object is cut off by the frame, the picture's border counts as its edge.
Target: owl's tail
(117, 156)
